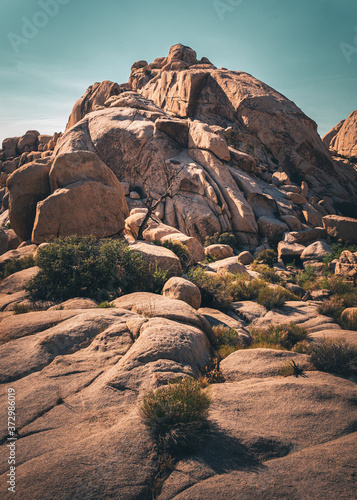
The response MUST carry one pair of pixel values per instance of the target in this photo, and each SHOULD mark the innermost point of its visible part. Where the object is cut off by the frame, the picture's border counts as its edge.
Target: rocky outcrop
(327, 138)
(78, 194)
(226, 143)
(342, 139)
(344, 228)
(27, 186)
(95, 96)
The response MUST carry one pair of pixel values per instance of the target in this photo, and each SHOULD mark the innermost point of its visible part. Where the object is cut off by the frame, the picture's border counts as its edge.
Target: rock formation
(342, 139)
(236, 154)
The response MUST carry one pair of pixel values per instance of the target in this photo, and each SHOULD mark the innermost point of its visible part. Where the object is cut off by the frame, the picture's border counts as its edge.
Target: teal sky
(292, 45)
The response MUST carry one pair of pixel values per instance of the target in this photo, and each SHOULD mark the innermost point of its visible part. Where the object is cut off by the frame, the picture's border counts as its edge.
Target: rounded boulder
(181, 289)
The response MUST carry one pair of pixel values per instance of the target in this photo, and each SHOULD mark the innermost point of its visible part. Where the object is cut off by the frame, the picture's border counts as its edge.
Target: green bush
(214, 290)
(279, 336)
(176, 414)
(106, 305)
(242, 288)
(84, 266)
(268, 257)
(268, 273)
(273, 298)
(334, 356)
(16, 265)
(221, 239)
(178, 249)
(307, 278)
(228, 341)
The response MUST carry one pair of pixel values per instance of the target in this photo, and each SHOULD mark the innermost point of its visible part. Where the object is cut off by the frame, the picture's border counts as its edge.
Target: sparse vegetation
(106, 305)
(334, 356)
(178, 249)
(83, 266)
(21, 309)
(289, 369)
(221, 239)
(232, 138)
(279, 336)
(273, 298)
(307, 278)
(228, 341)
(267, 257)
(176, 414)
(268, 273)
(213, 288)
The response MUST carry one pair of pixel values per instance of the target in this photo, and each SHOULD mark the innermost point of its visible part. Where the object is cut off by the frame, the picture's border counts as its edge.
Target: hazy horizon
(53, 50)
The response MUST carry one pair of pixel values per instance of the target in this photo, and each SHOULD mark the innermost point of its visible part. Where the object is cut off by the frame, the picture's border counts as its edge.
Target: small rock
(295, 198)
(245, 258)
(219, 251)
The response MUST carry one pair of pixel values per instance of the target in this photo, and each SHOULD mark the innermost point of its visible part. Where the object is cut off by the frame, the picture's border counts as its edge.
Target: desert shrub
(332, 307)
(344, 296)
(272, 298)
(289, 369)
(267, 273)
(228, 341)
(352, 159)
(106, 305)
(279, 336)
(268, 257)
(84, 266)
(336, 284)
(176, 413)
(232, 138)
(242, 288)
(21, 309)
(214, 290)
(334, 356)
(307, 278)
(16, 265)
(178, 249)
(221, 239)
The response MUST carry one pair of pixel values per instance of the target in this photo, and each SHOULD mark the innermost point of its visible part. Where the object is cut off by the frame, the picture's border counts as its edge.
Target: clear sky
(47, 60)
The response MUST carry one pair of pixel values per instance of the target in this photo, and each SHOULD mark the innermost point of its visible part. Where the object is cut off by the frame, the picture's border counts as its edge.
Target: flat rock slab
(16, 282)
(274, 438)
(260, 363)
(349, 336)
(249, 310)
